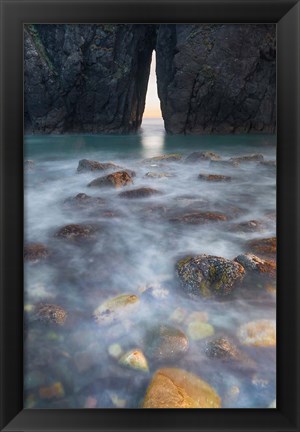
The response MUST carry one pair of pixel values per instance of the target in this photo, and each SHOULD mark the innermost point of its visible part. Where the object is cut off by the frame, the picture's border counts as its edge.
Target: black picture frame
(286, 13)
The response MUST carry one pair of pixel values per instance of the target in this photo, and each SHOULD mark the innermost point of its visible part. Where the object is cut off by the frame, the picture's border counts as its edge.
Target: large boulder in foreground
(177, 388)
(116, 180)
(209, 276)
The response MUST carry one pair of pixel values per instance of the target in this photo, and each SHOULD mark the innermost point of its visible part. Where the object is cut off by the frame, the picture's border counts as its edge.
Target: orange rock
(265, 248)
(177, 388)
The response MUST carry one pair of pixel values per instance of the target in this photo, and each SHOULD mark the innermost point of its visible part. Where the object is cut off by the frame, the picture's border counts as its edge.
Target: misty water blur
(136, 247)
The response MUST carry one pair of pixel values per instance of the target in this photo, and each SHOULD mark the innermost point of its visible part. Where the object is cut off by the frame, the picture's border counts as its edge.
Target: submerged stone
(177, 388)
(116, 180)
(224, 349)
(158, 175)
(35, 252)
(85, 165)
(83, 200)
(139, 193)
(259, 333)
(209, 276)
(200, 330)
(248, 158)
(197, 218)
(115, 308)
(76, 232)
(268, 163)
(172, 157)
(255, 265)
(200, 156)
(166, 342)
(265, 247)
(214, 177)
(50, 314)
(134, 359)
(248, 226)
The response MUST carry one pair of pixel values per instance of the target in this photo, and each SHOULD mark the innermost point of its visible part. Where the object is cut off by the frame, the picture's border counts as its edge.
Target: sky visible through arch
(152, 107)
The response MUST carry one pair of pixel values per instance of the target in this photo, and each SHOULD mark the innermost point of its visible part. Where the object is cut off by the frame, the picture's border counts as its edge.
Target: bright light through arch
(152, 105)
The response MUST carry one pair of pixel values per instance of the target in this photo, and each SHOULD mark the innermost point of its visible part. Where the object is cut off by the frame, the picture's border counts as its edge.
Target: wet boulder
(247, 226)
(83, 200)
(35, 252)
(142, 192)
(198, 218)
(117, 179)
(268, 163)
(209, 276)
(263, 247)
(256, 157)
(158, 175)
(165, 342)
(224, 349)
(172, 157)
(257, 266)
(225, 163)
(115, 308)
(85, 165)
(214, 177)
(50, 314)
(76, 232)
(259, 333)
(177, 388)
(202, 156)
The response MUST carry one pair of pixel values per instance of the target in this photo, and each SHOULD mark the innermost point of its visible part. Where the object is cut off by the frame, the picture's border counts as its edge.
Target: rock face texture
(86, 78)
(216, 78)
(92, 78)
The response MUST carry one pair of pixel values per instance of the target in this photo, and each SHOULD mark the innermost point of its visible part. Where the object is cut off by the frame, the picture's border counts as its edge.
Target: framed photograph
(150, 215)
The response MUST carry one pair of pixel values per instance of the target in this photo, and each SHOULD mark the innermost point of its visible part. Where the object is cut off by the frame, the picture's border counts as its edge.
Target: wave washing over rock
(211, 78)
(137, 293)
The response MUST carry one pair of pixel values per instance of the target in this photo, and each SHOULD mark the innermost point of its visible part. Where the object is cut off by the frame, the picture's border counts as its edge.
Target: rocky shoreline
(158, 358)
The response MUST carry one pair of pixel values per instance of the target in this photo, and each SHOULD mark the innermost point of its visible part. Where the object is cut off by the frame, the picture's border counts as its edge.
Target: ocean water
(134, 252)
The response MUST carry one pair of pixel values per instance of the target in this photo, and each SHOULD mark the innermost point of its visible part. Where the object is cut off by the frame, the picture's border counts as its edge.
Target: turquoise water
(137, 248)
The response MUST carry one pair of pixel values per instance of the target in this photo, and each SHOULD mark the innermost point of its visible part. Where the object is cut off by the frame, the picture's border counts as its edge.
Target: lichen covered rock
(209, 276)
(116, 180)
(177, 388)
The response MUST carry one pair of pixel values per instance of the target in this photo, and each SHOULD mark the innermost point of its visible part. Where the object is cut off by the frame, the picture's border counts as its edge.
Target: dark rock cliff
(92, 78)
(86, 78)
(217, 78)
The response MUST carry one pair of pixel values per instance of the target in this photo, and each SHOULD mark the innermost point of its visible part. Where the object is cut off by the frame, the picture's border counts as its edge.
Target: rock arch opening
(152, 103)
